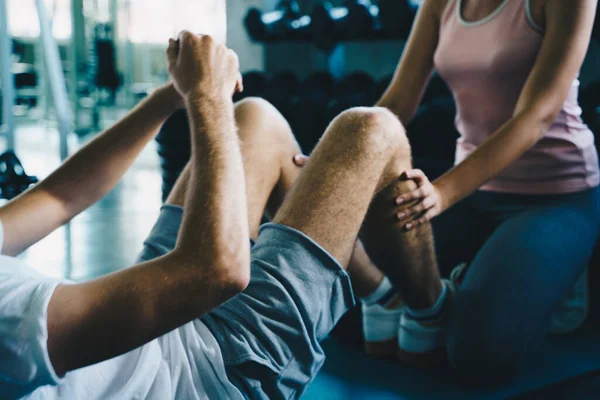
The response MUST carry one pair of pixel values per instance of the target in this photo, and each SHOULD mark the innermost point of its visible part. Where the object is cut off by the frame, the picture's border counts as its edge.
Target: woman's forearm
(498, 152)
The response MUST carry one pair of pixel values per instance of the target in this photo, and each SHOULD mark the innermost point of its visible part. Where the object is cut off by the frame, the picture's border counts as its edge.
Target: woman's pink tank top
(486, 65)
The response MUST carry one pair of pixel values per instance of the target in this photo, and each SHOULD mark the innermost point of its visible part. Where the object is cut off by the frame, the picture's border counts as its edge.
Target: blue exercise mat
(349, 374)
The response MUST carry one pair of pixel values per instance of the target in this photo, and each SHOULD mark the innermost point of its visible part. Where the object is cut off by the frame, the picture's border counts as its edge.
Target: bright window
(141, 21)
(23, 20)
(154, 21)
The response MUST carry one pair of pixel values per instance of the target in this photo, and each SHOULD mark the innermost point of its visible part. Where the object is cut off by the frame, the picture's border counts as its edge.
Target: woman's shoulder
(438, 7)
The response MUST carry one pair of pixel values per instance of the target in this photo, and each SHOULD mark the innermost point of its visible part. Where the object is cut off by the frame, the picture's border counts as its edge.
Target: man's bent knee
(254, 105)
(370, 126)
(256, 116)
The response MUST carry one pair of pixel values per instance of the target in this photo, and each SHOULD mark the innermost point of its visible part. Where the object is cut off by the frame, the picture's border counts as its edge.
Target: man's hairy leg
(406, 257)
(363, 152)
(268, 147)
(355, 159)
(349, 177)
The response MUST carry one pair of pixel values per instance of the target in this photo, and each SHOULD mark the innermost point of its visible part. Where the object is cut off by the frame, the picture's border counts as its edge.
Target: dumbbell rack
(304, 55)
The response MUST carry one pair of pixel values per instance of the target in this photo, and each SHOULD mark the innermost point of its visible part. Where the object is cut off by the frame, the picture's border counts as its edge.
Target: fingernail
(399, 200)
(401, 215)
(409, 226)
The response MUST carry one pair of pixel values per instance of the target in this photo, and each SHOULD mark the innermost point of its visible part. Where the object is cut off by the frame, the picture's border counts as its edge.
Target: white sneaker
(423, 343)
(572, 311)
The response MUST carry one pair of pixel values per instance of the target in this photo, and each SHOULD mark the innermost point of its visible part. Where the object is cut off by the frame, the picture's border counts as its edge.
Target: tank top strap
(514, 12)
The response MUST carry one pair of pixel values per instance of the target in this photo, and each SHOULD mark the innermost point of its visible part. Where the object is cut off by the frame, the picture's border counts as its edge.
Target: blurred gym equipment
(354, 20)
(286, 22)
(13, 179)
(397, 17)
(106, 76)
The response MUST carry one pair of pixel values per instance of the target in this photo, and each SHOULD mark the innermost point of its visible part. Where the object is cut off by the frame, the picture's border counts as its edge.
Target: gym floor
(108, 236)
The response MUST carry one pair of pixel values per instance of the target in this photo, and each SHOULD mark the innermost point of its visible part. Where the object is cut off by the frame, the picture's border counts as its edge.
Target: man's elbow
(233, 271)
(228, 266)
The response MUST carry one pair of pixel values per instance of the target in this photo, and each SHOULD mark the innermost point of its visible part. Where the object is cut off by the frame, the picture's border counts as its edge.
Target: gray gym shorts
(269, 335)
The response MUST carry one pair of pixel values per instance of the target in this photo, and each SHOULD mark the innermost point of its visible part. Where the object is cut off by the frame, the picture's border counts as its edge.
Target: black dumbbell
(397, 17)
(437, 88)
(284, 23)
(13, 179)
(24, 75)
(280, 89)
(432, 132)
(18, 49)
(589, 101)
(354, 20)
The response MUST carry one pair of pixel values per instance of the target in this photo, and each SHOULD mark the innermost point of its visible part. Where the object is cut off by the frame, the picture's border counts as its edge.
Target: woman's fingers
(416, 194)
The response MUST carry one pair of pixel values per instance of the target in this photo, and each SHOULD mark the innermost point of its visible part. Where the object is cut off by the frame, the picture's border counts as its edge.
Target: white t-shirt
(183, 364)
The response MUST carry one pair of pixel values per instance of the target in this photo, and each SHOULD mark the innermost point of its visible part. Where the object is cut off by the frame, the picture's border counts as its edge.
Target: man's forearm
(86, 176)
(215, 218)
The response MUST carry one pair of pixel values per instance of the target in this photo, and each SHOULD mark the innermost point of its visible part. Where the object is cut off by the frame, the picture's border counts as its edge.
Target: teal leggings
(526, 253)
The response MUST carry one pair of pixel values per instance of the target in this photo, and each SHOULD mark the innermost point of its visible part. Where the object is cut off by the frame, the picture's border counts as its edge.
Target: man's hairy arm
(101, 319)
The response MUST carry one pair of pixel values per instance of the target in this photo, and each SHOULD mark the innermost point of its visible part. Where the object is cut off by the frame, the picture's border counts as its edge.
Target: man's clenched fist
(197, 63)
